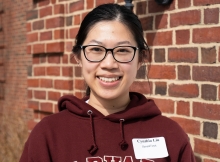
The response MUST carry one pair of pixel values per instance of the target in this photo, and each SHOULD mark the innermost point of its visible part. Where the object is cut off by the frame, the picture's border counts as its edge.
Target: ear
(77, 60)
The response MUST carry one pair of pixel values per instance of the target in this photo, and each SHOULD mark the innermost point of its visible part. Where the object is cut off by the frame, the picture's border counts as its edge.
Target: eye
(96, 49)
(122, 50)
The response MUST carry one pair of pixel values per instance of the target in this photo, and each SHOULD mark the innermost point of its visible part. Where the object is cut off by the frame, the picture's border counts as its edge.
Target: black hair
(110, 12)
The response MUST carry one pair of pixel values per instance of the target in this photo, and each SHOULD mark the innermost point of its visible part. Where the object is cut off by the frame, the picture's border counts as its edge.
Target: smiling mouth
(109, 80)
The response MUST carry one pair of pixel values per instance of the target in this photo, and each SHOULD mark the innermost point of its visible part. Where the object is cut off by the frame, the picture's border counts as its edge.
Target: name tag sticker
(150, 148)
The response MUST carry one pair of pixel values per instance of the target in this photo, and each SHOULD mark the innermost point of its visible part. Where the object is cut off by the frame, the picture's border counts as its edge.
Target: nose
(109, 62)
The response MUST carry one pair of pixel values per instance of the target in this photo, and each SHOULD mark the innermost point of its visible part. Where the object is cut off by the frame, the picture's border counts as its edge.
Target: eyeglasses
(96, 53)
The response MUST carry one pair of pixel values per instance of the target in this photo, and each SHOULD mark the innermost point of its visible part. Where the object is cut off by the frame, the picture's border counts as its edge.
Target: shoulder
(49, 123)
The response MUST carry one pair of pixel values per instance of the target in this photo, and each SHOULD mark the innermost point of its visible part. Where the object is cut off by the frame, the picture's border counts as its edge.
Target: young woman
(110, 124)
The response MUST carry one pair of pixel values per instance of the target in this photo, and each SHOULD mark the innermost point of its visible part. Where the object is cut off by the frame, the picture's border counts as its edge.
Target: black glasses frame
(106, 51)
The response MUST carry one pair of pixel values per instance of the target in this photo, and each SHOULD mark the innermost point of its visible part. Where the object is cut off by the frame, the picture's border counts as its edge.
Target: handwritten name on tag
(150, 148)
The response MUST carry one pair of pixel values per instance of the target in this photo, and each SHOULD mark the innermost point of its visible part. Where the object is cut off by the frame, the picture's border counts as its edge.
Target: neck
(109, 106)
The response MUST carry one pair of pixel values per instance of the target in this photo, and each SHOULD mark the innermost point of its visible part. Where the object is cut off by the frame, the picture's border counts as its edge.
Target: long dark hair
(110, 12)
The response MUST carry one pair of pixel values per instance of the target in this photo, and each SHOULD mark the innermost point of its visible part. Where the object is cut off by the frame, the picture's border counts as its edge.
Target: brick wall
(14, 61)
(184, 77)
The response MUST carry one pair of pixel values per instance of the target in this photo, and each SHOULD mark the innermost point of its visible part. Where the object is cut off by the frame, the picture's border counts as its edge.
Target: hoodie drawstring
(123, 144)
(94, 148)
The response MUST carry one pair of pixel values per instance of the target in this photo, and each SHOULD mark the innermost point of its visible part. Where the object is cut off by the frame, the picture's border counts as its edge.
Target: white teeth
(108, 79)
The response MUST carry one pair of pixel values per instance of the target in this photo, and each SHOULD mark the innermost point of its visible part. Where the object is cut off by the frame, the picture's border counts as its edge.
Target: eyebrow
(118, 43)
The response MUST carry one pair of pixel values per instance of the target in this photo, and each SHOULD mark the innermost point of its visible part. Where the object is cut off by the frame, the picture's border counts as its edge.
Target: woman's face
(109, 79)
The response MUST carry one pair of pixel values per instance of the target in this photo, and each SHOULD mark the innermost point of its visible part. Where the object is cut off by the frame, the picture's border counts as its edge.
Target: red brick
(207, 148)
(161, 88)
(73, 32)
(54, 96)
(153, 7)
(159, 55)
(184, 90)
(39, 71)
(2, 73)
(69, 47)
(59, 34)
(55, 47)
(59, 9)
(67, 71)
(33, 37)
(185, 18)
(141, 8)
(53, 71)
(79, 94)
(159, 38)
(76, 6)
(78, 71)
(46, 35)
(46, 11)
(99, 2)
(206, 73)
(69, 21)
(56, 110)
(29, 49)
(219, 92)
(161, 21)
(43, 3)
(77, 19)
(209, 160)
(38, 48)
(166, 106)
(46, 83)
(141, 87)
(209, 92)
(209, 55)
(55, 22)
(63, 84)
(182, 36)
(219, 55)
(211, 15)
(182, 108)
(90, 4)
(183, 55)
(33, 82)
(189, 126)
(54, 58)
(40, 94)
(38, 25)
(184, 4)
(79, 84)
(30, 95)
(43, 58)
(206, 35)
(32, 14)
(162, 72)
(147, 22)
(46, 107)
(53, 1)
(205, 2)
(184, 72)
(33, 105)
(29, 27)
(206, 111)
(65, 58)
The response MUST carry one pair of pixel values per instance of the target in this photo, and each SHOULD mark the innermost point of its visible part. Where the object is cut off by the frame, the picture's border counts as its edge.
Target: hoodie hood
(139, 107)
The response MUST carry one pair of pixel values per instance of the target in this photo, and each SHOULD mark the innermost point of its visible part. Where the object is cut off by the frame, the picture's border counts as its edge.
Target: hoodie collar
(139, 107)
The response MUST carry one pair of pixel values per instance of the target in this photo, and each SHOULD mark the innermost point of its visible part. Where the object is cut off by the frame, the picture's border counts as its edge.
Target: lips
(109, 79)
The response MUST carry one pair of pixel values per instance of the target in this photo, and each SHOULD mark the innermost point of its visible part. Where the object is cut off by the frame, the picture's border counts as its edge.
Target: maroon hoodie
(80, 133)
